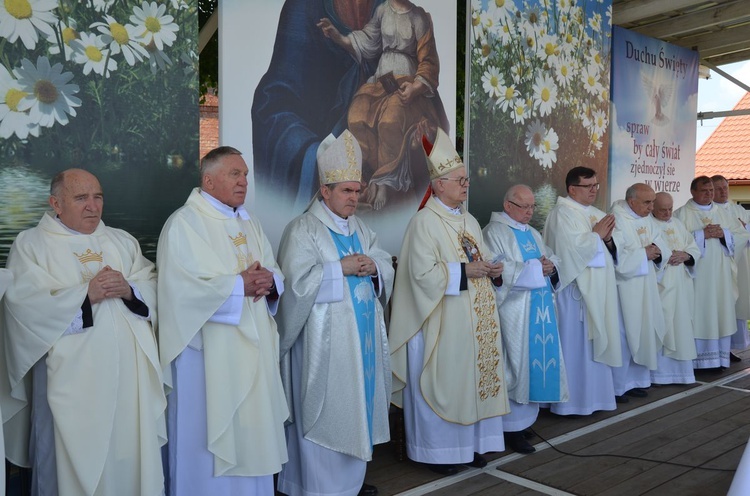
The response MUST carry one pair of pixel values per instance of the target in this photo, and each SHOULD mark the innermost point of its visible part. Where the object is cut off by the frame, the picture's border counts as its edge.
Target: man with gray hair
(218, 290)
(334, 346)
(675, 359)
(534, 364)
(641, 253)
(734, 214)
(715, 279)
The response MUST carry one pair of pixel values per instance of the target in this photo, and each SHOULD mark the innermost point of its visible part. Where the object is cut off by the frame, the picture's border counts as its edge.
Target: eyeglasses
(462, 181)
(523, 207)
(591, 187)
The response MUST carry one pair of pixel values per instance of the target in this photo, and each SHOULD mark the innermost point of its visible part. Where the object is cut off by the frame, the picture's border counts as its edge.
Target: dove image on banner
(654, 104)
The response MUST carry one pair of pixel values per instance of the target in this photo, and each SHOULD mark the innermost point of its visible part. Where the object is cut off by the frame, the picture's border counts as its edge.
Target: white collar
(341, 223)
(703, 207)
(454, 211)
(631, 212)
(71, 231)
(225, 209)
(514, 223)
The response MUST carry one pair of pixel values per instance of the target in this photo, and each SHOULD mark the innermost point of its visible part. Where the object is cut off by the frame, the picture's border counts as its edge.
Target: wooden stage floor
(649, 446)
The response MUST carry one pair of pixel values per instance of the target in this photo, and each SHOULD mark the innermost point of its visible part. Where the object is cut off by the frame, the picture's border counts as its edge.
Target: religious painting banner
(538, 86)
(385, 70)
(104, 85)
(654, 104)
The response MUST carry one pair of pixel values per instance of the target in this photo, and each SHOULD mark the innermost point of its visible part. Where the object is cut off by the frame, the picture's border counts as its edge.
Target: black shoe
(734, 358)
(368, 490)
(637, 393)
(527, 434)
(479, 461)
(443, 469)
(516, 442)
(621, 399)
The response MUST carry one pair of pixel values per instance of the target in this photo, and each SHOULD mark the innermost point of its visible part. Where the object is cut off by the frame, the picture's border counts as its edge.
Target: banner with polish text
(654, 104)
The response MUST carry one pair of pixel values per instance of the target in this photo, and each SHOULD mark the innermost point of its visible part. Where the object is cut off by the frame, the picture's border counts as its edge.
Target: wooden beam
(730, 58)
(725, 50)
(697, 21)
(715, 39)
(635, 10)
(208, 30)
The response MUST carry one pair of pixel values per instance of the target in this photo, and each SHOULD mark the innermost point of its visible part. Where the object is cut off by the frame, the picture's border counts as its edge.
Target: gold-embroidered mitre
(443, 157)
(339, 159)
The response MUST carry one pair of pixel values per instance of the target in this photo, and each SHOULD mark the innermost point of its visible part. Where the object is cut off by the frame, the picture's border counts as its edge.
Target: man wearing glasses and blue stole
(447, 353)
(587, 302)
(533, 357)
(334, 348)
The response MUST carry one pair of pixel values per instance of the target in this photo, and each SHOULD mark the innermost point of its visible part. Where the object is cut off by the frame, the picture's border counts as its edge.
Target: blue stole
(362, 295)
(544, 348)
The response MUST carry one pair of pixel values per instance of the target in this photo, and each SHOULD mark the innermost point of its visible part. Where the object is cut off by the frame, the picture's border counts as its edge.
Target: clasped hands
(481, 268)
(258, 281)
(604, 227)
(713, 231)
(109, 283)
(358, 265)
(678, 257)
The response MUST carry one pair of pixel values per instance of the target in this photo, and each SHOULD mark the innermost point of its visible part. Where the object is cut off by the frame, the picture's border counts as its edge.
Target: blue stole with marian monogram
(362, 293)
(544, 348)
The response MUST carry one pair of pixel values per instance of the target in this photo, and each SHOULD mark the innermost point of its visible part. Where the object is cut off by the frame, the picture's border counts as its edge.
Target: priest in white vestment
(219, 286)
(78, 331)
(735, 213)
(587, 303)
(675, 359)
(334, 347)
(446, 347)
(6, 277)
(715, 274)
(535, 369)
(641, 254)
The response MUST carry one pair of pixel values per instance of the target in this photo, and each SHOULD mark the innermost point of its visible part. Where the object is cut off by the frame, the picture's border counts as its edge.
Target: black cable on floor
(635, 457)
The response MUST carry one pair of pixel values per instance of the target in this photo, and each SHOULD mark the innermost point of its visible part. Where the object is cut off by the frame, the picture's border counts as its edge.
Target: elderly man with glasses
(447, 352)
(581, 235)
(533, 356)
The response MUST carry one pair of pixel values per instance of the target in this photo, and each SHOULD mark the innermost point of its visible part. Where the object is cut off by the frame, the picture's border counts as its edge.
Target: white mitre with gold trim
(339, 159)
(442, 158)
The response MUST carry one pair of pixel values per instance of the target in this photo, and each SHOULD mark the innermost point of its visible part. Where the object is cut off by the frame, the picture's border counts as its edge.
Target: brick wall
(209, 124)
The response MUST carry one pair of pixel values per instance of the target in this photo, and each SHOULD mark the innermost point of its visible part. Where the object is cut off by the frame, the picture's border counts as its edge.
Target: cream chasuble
(105, 371)
(332, 375)
(568, 233)
(734, 214)
(462, 378)
(6, 277)
(636, 281)
(200, 253)
(715, 272)
(515, 309)
(677, 293)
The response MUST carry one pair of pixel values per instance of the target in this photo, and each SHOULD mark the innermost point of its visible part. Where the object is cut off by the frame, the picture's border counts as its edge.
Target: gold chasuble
(462, 379)
(104, 384)
(200, 253)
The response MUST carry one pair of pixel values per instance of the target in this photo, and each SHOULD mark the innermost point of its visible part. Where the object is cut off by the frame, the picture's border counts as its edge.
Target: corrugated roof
(727, 150)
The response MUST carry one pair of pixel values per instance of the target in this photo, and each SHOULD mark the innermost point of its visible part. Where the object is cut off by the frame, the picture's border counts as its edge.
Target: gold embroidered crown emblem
(352, 172)
(669, 232)
(641, 230)
(592, 219)
(241, 239)
(89, 256)
(706, 221)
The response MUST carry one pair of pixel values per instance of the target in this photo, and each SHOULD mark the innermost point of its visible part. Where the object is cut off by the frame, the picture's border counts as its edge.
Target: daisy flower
(49, 96)
(69, 33)
(599, 122)
(90, 52)
(121, 39)
(157, 59)
(13, 120)
(25, 19)
(534, 136)
(549, 146)
(521, 110)
(545, 95)
(153, 25)
(563, 72)
(590, 79)
(491, 82)
(103, 5)
(508, 95)
(503, 9)
(548, 49)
